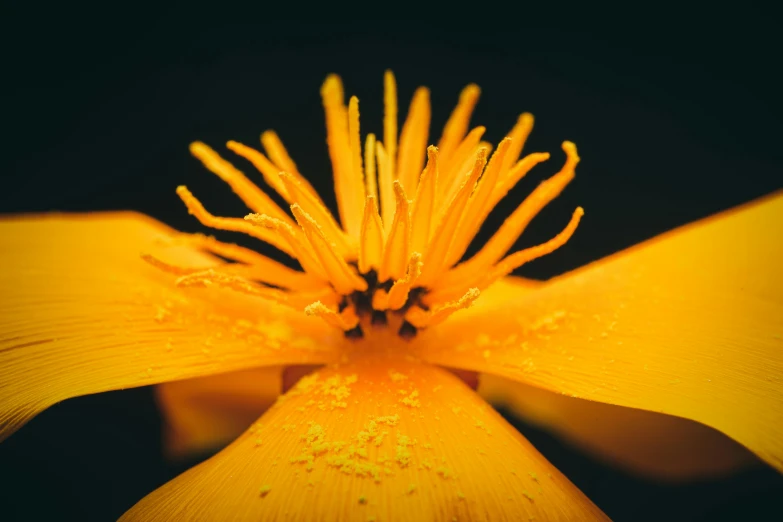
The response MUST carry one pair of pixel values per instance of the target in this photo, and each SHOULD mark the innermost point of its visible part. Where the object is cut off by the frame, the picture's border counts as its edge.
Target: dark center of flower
(361, 301)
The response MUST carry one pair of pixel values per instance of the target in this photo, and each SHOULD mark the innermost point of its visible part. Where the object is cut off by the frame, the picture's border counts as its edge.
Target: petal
(208, 412)
(377, 438)
(686, 324)
(80, 312)
(661, 447)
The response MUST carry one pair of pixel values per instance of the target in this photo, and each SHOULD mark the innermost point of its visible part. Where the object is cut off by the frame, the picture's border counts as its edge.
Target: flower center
(392, 257)
(362, 303)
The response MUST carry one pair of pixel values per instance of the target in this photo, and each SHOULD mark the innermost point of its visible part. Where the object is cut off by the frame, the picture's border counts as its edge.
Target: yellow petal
(686, 324)
(208, 412)
(376, 438)
(661, 447)
(83, 313)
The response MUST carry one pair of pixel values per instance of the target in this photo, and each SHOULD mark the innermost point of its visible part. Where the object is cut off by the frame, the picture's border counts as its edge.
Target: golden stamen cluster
(405, 225)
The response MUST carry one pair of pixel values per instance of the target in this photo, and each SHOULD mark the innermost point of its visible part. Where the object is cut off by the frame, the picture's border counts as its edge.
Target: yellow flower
(686, 324)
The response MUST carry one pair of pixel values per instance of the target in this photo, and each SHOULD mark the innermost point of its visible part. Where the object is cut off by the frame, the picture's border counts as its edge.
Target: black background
(672, 124)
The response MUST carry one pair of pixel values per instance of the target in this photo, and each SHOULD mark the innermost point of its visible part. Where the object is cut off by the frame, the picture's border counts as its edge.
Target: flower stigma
(407, 214)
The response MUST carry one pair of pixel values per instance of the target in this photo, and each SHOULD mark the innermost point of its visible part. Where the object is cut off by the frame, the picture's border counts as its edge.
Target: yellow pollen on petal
(387, 260)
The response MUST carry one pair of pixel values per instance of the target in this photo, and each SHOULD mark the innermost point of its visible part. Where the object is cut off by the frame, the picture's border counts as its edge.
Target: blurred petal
(381, 439)
(209, 412)
(687, 324)
(641, 442)
(80, 312)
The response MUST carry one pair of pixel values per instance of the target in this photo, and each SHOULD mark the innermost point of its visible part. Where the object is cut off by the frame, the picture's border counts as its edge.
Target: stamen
(486, 278)
(268, 170)
(518, 136)
(296, 300)
(370, 181)
(256, 266)
(436, 251)
(424, 203)
(300, 248)
(238, 284)
(395, 254)
(397, 257)
(512, 177)
(469, 222)
(517, 259)
(315, 208)
(342, 277)
(234, 269)
(380, 300)
(345, 320)
(279, 155)
(486, 145)
(229, 224)
(371, 240)
(457, 124)
(453, 169)
(171, 269)
(513, 226)
(413, 140)
(398, 294)
(421, 318)
(390, 123)
(385, 186)
(255, 199)
(340, 150)
(357, 179)
(227, 250)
